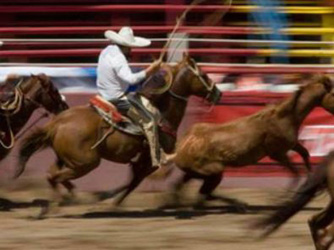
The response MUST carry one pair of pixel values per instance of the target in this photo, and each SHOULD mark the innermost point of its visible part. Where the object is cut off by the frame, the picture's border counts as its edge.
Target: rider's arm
(125, 74)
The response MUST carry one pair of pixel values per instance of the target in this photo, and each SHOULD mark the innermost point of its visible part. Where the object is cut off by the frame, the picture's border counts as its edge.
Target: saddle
(110, 114)
(158, 84)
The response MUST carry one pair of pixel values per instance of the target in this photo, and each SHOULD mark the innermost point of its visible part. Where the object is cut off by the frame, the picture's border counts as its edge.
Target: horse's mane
(290, 104)
(281, 108)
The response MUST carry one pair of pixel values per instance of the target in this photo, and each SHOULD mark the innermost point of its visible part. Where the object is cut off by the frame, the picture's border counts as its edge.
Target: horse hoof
(242, 209)
(199, 205)
(102, 196)
(118, 202)
(69, 200)
(170, 206)
(42, 214)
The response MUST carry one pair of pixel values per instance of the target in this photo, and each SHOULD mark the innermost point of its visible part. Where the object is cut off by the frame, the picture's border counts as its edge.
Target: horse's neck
(18, 120)
(174, 112)
(299, 106)
(176, 108)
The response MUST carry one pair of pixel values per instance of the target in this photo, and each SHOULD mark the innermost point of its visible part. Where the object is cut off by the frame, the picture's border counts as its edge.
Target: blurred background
(254, 50)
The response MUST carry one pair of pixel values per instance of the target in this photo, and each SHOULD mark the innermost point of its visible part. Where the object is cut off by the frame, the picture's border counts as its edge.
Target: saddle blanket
(111, 115)
(107, 107)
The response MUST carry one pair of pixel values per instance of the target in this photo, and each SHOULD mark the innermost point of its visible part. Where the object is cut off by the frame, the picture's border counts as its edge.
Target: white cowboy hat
(125, 37)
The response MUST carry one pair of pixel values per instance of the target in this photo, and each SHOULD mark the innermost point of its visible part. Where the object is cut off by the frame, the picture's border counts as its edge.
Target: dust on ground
(138, 225)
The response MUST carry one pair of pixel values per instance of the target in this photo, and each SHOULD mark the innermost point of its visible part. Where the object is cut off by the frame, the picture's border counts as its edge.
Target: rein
(13, 107)
(179, 97)
(12, 137)
(17, 103)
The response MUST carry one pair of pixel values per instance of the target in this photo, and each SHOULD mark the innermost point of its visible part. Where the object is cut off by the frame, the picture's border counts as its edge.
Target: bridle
(47, 89)
(54, 97)
(197, 73)
(52, 93)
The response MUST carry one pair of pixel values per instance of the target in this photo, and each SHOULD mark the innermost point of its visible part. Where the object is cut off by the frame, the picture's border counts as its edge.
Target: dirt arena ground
(139, 226)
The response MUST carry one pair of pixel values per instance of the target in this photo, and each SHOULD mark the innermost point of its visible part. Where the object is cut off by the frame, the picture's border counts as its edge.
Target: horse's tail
(37, 140)
(313, 185)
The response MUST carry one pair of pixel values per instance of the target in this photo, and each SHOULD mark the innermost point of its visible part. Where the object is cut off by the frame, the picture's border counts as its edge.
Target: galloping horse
(73, 133)
(320, 224)
(20, 101)
(207, 149)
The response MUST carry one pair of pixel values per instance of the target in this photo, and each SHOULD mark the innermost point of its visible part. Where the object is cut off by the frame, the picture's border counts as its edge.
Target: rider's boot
(151, 133)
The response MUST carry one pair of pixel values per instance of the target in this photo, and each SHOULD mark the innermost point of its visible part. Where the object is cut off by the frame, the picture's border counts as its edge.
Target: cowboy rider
(114, 77)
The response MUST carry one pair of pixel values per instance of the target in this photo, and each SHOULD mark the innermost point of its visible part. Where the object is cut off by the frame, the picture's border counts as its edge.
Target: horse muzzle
(214, 96)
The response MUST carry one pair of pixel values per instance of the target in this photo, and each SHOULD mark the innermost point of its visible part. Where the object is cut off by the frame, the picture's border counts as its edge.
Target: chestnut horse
(321, 224)
(73, 133)
(207, 149)
(30, 93)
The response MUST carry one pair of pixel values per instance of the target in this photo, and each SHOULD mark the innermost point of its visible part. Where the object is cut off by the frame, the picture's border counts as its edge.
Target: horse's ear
(44, 79)
(43, 76)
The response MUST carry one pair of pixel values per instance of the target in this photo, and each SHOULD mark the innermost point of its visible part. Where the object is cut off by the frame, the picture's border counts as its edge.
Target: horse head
(7, 88)
(327, 101)
(40, 90)
(191, 80)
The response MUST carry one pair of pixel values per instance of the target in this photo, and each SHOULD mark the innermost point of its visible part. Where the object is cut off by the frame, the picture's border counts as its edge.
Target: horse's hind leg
(70, 187)
(55, 189)
(303, 152)
(55, 168)
(319, 222)
(59, 175)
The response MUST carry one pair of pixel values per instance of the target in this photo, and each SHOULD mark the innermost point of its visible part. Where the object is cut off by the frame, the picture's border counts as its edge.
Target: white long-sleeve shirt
(114, 75)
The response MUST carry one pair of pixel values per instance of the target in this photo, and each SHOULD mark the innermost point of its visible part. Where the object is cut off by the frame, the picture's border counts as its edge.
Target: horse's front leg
(176, 195)
(101, 196)
(303, 152)
(140, 169)
(210, 184)
(284, 160)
